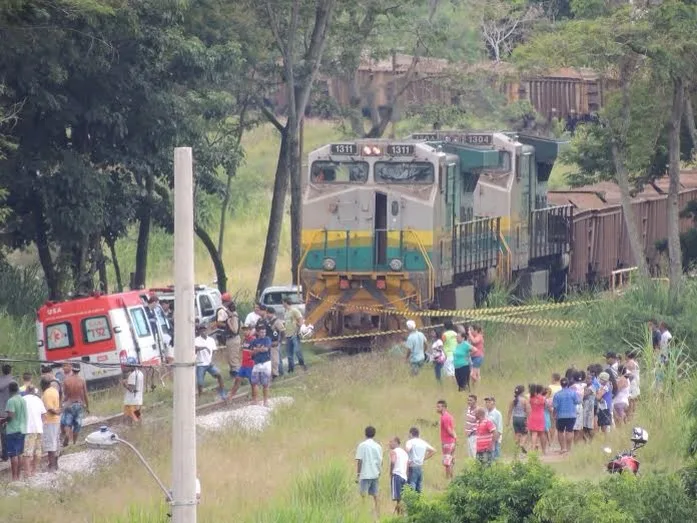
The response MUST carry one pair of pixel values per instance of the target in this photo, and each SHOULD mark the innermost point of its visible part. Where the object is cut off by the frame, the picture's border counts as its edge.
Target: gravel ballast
(252, 418)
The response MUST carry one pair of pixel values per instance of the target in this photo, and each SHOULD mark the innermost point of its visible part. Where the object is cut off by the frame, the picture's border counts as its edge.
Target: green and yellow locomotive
(426, 222)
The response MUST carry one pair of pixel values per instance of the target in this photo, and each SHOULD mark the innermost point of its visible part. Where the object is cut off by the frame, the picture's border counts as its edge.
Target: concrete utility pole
(184, 419)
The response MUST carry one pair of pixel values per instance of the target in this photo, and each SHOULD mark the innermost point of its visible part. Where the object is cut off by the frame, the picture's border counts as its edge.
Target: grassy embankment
(300, 468)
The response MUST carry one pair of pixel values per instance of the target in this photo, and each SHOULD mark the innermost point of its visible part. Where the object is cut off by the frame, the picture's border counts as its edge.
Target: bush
(500, 492)
(23, 289)
(582, 502)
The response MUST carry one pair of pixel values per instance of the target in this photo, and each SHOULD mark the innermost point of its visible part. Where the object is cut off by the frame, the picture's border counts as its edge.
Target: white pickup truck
(275, 295)
(207, 300)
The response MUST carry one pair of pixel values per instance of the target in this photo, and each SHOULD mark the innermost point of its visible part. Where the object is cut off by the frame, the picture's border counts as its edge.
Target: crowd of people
(43, 418)
(572, 409)
(38, 419)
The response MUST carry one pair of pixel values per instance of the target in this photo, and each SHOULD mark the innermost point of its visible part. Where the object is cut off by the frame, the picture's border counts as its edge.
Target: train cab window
(59, 336)
(404, 172)
(395, 208)
(504, 160)
(95, 329)
(339, 172)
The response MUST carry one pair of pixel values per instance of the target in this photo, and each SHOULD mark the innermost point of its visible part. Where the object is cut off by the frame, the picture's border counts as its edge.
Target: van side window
(95, 329)
(206, 305)
(140, 322)
(59, 336)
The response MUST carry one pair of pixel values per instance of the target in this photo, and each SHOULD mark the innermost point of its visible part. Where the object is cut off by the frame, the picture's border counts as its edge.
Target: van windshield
(276, 298)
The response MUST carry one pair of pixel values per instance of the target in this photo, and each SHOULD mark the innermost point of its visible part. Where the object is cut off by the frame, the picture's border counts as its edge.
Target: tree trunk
(115, 261)
(273, 234)
(223, 212)
(355, 109)
(635, 242)
(145, 219)
(295, 197)
(215, 257)
(44, 250)
(674, 250)
(101, 268)
(689, 116)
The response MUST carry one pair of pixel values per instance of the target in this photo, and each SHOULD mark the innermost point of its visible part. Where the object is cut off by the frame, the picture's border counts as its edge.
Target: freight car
(427, 222)
(601, 244)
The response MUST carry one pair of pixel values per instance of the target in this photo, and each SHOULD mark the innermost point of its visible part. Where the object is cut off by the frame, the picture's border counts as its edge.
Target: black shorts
(604, 418)
(566, 424)
(520, 425)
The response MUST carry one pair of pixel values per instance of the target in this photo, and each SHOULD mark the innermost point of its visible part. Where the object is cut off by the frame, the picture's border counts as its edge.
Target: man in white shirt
(253, 317)
(496, 418)
(35, 430)
(399, 461)
(133, 397)
(204, 346)
(369, 466)
(418, 451)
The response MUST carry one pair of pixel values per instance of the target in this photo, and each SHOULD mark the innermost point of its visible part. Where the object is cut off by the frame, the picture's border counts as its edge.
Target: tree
(504, 22)
(292, 23)
(609, 44)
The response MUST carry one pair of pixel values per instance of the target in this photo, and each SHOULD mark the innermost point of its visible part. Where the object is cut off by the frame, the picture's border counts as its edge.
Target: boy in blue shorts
(245, 372)
(261, 372)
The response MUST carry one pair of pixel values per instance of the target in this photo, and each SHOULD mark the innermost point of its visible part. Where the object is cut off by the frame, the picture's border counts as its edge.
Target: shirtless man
(75, 404)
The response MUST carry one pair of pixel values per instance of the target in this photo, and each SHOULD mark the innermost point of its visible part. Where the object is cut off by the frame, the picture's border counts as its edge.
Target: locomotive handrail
(505, 267)
(306, 250)
(431, 270)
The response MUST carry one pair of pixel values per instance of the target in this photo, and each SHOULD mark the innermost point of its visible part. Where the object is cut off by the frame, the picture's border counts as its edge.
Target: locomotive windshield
(339, 172)
(404, 172)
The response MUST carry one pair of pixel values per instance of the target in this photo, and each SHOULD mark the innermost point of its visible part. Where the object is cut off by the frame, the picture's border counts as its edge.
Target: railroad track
(116, 420)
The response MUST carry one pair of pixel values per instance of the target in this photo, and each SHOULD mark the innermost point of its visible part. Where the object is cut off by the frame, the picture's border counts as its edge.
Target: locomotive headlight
(376, 151)
(396, 264)
(329, 264)
(367, 150)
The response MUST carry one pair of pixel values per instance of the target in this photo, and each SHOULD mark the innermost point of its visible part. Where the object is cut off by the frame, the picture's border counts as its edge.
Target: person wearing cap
(75, 404)
(604, 398)
(496, 418)
(416, 348)
(229, 322)
(134, 384)
(204, 346)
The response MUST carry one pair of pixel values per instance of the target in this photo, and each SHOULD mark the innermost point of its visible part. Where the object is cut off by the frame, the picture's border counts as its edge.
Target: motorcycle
(626, 461)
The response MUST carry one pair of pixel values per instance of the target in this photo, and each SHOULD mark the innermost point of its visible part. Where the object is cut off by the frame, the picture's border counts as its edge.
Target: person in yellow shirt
(51, 436)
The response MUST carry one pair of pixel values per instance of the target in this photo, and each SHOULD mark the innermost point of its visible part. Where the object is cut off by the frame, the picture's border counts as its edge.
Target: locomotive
(427, 222)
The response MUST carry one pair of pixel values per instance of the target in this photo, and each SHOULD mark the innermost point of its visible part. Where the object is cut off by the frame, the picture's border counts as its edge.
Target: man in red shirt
(448, 438)
(486, 435)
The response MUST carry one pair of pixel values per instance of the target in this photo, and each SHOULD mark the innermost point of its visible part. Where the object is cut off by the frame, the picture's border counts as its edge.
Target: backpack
(438, 355)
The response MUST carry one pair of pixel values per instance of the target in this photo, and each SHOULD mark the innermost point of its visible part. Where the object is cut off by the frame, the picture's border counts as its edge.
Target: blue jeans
(293, 348)
(497, 450)
(415, 477)
(438, 369)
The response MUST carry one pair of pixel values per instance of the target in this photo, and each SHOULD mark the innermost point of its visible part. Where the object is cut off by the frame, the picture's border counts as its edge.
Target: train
(428, 222)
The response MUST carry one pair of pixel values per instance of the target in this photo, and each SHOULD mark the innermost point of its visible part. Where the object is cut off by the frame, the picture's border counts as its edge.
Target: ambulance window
(59, 336)
(140, 322)
(96, 329)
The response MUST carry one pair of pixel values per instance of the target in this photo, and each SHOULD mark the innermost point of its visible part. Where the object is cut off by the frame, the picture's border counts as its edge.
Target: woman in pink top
(476, 339)
(536, 417)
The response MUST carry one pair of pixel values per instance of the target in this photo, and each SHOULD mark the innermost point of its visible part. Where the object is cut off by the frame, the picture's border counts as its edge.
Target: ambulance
(95, 330)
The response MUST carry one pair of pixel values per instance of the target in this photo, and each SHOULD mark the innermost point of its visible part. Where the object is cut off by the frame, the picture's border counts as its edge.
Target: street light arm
(167, 493)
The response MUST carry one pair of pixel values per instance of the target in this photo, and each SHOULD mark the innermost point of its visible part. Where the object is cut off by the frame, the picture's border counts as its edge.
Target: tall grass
(23, 289)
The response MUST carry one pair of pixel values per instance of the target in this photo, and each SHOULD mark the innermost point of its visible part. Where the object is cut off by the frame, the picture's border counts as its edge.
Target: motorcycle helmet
(639, 435)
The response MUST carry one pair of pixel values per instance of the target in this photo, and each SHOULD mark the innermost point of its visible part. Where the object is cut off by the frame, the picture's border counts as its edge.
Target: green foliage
(427, 509)
(581, 502)
(23, 289)
(500, 492)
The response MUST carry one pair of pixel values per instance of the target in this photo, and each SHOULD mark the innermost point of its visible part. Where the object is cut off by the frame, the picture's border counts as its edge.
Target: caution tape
(532, 322)
(475, 313)
(366, 334)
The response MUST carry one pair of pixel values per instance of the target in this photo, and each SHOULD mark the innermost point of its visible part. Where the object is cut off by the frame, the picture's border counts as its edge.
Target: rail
(550, 230)
(427, 258)
(476, 244)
